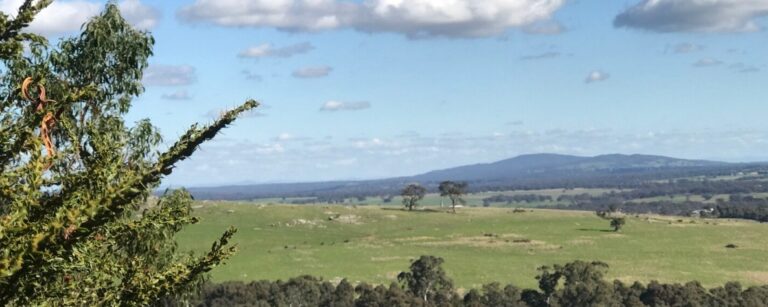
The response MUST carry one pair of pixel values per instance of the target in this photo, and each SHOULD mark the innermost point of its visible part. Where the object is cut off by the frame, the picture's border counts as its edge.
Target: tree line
(578, 283)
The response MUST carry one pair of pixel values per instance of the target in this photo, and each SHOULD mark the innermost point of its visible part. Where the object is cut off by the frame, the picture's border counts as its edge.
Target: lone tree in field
(76, 227)
(617, 223)
(412, 194)
(455, 191)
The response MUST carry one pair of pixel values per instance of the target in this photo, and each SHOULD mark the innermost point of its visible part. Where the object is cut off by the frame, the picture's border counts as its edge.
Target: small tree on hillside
(455, 191)
(76, 227)
(412, 194)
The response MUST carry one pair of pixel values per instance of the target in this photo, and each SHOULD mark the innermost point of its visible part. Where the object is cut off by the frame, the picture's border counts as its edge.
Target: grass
(473, 199)
(480, 245)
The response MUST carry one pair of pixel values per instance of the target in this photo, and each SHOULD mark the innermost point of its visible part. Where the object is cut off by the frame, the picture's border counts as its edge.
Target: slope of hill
(522, 172)
(543, 164)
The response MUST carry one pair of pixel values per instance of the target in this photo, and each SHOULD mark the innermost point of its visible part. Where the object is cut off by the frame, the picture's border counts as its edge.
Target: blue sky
(379, 88)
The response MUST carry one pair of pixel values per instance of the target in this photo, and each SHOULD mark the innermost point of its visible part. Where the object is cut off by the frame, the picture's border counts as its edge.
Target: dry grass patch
(759, 277)
(581, 242)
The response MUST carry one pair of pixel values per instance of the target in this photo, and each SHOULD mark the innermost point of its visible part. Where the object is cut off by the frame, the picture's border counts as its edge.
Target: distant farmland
(480, 245)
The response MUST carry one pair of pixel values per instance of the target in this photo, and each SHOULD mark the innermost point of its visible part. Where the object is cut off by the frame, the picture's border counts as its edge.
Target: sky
(380, 88)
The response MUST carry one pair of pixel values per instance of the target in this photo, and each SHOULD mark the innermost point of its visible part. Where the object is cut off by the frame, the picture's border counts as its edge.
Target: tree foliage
(617, 223)
(76, 226)
(455, 191)
(412, 194)
(579, 283)
(427, 279)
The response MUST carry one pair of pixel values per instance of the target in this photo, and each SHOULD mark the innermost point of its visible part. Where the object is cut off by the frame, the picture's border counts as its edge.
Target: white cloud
(548, 27)
(694, 15)
(169, 75)
(282, 14)
(227, 161)
(58, 18)
(267, 50)
(141, 16)
(63, 17)
(687, 48)
(312, 72)
(541, 56)
(177, 95)
(596, 76)
(414, 18)
(335, 105)
(707, 62)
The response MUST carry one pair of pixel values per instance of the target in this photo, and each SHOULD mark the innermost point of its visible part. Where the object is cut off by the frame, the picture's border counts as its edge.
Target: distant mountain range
(522, 172)
(547, 164)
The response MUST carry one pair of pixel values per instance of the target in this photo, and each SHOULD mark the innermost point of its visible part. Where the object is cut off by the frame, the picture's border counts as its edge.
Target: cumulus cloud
(707, 62)
(169, 75)
(58, 18)
(549, 27)
(312, 72)
(225, 161)
(414, 18)
(267, 50)
(335, 105)
(541, 56)
(62, 17)
(177, 95)
(596, 76)
(141, 16)
(694, 15)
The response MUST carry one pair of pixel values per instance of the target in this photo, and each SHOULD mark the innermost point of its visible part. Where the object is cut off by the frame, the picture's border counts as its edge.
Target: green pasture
(472, 199)
(479, 245)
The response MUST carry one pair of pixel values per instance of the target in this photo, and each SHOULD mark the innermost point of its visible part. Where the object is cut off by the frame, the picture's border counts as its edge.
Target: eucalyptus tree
(617, 223)
(412, 194)
(76, 227)
(455, 192)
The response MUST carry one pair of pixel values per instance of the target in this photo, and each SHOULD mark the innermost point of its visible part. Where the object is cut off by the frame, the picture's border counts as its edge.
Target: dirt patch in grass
(347, 219)
(413, 239)
(389, 258)
(306, 223)
(759, 277)
(581, 242)
(491, 242)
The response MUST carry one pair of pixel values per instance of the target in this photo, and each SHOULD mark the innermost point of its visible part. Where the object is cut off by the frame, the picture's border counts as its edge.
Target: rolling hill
(522, 172)
(549, 164)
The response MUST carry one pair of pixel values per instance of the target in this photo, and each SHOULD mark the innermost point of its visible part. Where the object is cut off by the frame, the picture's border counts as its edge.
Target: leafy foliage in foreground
(577, 283)
(75, 224)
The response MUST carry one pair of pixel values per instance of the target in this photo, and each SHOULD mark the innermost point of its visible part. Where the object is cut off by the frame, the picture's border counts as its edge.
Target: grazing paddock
(480, 245)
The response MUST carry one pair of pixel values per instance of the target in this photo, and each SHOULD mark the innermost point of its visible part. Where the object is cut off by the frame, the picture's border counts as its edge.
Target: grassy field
(479, 245)
(472, 199)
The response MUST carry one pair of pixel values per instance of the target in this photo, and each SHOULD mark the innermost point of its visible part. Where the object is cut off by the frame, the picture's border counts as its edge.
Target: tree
(426, 278)
(412, 194)
(617, 223)
(76, 226)
(454, 191)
